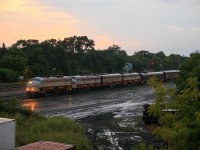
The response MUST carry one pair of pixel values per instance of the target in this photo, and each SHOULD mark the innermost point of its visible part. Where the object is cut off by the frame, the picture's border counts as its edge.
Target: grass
(31, 127)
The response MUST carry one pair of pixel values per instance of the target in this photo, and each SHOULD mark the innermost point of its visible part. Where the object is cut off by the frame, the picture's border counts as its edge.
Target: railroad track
(11, 87)
(13, 96)
(12, 91)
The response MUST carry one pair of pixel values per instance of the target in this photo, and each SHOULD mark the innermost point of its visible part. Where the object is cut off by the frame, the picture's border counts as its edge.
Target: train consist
(40, 86)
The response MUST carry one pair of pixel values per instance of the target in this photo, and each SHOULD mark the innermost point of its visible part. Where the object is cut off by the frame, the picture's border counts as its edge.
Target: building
(128, 67)
(46, 145)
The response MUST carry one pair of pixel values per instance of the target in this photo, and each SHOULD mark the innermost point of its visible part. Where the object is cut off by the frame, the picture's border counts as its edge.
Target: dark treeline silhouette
(75, 55)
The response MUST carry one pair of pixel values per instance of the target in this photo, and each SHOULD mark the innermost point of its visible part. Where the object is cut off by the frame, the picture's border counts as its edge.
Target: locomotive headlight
(30, 89)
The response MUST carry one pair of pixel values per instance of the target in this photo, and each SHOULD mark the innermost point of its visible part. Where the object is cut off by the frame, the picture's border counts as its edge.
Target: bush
(181, 130)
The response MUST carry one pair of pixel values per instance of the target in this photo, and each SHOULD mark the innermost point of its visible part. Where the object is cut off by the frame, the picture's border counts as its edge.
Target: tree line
(75, 55)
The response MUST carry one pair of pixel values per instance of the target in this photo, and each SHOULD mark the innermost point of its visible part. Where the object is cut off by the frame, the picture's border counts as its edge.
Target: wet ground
(111, 117)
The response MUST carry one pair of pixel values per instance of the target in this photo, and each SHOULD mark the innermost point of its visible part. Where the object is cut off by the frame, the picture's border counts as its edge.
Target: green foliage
(142, 146)
(77, 55)
(181, 130)
(191, 68)
(12, 107)
(58, 129)
(31, 127)
(8, 75)
(38, 64)
(144, 60)
(114, 59)
(14, 64)
(71, 56)
(162, 96)
(139, 63)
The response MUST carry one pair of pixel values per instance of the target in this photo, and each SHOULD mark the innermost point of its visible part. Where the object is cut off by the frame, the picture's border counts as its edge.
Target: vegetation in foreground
(181, 130)
(31, 127)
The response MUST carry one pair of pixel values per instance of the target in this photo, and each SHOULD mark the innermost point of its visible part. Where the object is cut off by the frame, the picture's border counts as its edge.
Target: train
(40, 86)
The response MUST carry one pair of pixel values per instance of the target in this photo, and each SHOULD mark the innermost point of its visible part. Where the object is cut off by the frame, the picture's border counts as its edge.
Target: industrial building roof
(46, 145)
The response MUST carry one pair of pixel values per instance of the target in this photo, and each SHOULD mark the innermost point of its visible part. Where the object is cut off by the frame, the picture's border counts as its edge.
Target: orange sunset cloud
(31, 20)
(137, 26)
(104, 41)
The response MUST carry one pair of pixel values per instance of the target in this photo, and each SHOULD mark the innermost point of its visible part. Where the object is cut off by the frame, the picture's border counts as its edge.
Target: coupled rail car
(39, 86)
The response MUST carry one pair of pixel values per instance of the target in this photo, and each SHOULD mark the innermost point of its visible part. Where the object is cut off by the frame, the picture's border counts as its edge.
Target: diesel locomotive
(40, 86)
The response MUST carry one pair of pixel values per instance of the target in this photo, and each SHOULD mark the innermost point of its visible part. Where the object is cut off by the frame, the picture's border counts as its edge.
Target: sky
(171, 26)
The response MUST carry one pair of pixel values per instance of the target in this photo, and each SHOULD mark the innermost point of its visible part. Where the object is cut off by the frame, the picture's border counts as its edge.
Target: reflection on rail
(31, 105)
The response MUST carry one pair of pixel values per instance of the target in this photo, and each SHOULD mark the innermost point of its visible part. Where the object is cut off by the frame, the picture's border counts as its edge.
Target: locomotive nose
(30, 89)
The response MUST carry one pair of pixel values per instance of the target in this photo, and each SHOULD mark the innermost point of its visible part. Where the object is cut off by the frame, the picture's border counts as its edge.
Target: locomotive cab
(32, 88)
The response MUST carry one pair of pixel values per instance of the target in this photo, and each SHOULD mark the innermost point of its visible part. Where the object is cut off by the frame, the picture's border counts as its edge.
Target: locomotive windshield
(32, 80)
(74, 80)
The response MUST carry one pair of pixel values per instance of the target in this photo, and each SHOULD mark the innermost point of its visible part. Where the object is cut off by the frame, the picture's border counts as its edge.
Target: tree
(37, 62)
(77, 44)
(190, 68)
(115, 49)
(160, 54)
(114, 59)
(15, 60)
(25, 43)
(2, 50)
(16, 63)
(8, 75)
(144, 53)
(176, 61)
(139, 63)
(83, 44)
(181, 130)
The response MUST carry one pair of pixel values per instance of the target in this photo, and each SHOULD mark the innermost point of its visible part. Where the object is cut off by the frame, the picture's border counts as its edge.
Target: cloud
(104, 41)
(129, 45)
(196, 29)
(175, 28)
(32, 9)
(19, 6)
(131, 24)
(132, 43)
(31, 19)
